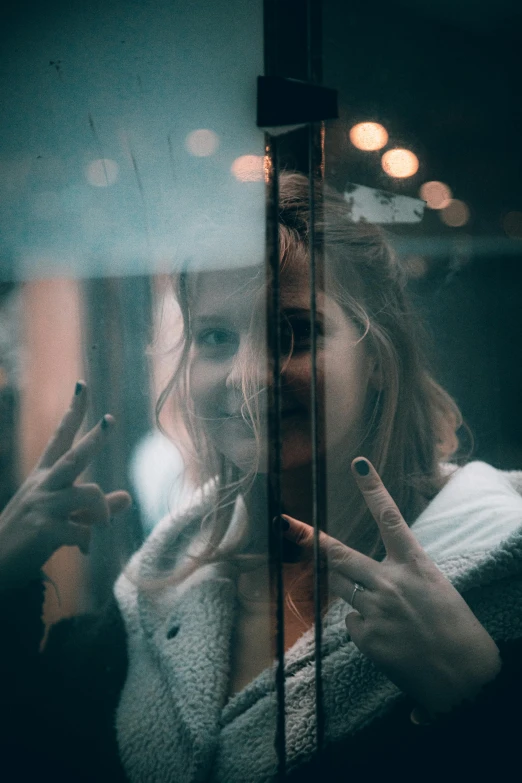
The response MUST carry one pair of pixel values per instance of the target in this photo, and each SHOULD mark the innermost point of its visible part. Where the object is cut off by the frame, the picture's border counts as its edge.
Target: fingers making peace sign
(406, 616)
(51, 508)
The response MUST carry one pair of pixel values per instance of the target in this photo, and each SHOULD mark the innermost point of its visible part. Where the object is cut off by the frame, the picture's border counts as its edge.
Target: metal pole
(315, 178)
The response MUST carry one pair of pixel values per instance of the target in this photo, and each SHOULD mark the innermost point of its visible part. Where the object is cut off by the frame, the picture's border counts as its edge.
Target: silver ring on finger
(356, 587)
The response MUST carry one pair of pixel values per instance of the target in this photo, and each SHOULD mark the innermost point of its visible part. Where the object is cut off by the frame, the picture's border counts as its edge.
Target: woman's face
(228, 315)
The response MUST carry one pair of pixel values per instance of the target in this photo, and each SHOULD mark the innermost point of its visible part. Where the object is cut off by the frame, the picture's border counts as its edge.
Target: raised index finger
(397, 537)
(339, 557)
(76, 459)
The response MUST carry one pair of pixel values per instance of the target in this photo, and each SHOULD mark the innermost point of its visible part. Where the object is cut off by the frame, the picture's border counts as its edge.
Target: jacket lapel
(355, 692)
(173, 724)
(191, 642)
(168, 719)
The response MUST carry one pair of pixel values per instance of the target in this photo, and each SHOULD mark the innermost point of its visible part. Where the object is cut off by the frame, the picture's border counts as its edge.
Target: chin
(247, 456)
(238, 445)
(250, 456)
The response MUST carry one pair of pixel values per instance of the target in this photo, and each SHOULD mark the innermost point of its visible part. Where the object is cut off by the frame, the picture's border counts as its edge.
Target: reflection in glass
(248, 168)
(118, 136)
(202, 142)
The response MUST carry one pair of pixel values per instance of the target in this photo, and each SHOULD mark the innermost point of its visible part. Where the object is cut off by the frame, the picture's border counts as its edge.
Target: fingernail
(420, 717)
(105, 422)
(282, 521)
(362, 467)
(78, 388)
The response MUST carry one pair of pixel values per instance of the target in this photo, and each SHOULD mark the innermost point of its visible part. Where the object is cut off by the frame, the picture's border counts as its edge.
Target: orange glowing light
(455, 214)
(437, 195)
(512, 225)
(369, 136)
(400, 163)
(202, 142)
(249, 168)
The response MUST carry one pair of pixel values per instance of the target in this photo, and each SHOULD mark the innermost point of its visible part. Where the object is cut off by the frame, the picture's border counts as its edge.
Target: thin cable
(319, 710)
(314, 181)
(271, 24)
(275, 500)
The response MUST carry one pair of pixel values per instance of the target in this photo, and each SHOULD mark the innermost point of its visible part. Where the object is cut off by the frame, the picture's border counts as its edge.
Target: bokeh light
(400, 163)
(248, 168)
(455, 214)
(369, 136)
(437, 195)
(512, 224)
(102, 172)
(202, 142)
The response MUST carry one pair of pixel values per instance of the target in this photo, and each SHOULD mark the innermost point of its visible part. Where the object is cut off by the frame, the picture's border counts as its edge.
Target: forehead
(241, 290)
(225, 290)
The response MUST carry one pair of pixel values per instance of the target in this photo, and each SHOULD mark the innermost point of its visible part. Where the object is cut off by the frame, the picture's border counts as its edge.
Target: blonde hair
(411, 422)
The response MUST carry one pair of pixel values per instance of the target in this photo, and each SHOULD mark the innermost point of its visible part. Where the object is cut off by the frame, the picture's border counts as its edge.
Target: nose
(248, 381)
(249, 366)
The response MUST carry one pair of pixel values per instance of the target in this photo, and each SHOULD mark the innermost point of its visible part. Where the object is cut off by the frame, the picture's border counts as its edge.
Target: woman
(177, 682)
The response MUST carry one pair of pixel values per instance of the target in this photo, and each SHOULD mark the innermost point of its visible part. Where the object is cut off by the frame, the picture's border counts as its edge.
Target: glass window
(129, 149)
(288, 362)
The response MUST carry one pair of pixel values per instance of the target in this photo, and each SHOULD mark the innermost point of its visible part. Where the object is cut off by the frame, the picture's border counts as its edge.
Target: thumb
(118, 501)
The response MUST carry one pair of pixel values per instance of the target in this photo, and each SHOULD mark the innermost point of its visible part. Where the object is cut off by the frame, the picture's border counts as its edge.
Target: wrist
(21, 560)
(463, 683)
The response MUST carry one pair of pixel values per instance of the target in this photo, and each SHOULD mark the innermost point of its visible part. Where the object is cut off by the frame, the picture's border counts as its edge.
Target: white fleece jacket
(174, 723)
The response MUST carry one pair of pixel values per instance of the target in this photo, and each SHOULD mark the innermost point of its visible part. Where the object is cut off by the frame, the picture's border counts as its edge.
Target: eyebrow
(208, 319)
(224, 315)
(304, 311)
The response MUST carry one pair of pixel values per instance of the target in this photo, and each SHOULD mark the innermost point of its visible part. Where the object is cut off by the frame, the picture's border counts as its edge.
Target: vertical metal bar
(315, 176)
(316, 467)
(275, 536)
(275, 501)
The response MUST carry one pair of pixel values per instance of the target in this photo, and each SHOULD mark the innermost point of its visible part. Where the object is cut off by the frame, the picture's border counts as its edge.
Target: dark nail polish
(282, 521)
(78, 389)
(362, 467)
(104, 423)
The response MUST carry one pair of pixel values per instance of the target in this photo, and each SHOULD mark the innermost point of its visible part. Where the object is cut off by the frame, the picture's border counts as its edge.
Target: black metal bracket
(282, 101)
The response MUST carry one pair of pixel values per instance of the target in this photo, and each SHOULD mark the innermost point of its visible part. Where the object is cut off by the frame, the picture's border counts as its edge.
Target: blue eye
(216, 338)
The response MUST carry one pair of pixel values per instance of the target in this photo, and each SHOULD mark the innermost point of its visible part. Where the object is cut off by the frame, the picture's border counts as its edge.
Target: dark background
(444, 79)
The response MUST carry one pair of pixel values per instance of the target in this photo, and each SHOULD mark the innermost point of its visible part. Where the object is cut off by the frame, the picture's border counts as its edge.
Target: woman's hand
(408, 618)
(50, 510)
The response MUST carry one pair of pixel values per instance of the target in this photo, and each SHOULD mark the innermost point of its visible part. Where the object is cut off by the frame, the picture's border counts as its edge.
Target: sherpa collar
(173, 722)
